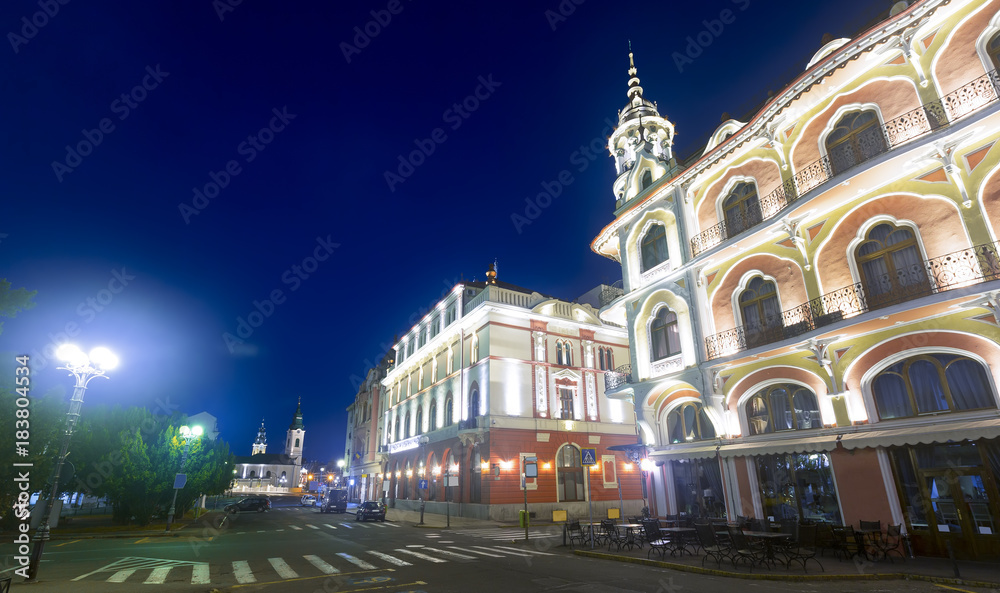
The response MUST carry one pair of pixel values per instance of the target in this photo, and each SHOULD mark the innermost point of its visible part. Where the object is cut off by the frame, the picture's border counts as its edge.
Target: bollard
(422, 503)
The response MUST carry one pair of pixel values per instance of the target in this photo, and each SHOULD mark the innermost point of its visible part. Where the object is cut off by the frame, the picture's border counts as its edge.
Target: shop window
(798, 486)
(929, 384)
(741, 209)
(783, 407)
(689, 422)
(653, 247)
(698, 487)
(664, 336)
(570, 472)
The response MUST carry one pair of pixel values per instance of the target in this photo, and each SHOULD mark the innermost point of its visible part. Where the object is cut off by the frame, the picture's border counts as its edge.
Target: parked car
(250, 503)
(308, 500)
(336, 502)
(372, 509)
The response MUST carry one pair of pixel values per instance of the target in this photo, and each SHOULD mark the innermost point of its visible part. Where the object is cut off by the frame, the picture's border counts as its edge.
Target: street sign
(531, 467)
(179, 481)
(452, 481)
(422, 484)
(588, 456)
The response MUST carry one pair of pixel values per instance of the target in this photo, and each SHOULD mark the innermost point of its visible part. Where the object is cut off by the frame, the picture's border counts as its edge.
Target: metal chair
(575, 533)
(804, 548)
(742, 550)
(653, 537)
(710, 544)
(845, 541)
(891, 542)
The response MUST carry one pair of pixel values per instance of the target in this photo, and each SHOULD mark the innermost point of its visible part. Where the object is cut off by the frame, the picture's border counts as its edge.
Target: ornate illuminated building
(496, 374)
(272, 472)
(364, 462)
(813, 303)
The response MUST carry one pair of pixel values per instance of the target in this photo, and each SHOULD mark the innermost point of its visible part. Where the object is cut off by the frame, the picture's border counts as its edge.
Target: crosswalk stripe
(242, 572)
(506, 551)
(296, 527)
(421, 556)
(281, 567)
(478, 552)
(390, 559)
(365, 525)
(311, 526)
(120, 576)
(356, 561)
(347, 525)
(158, 575)
(199, 574)
(528, 551)
(328, 525)
(390, 524)
(321, 564)
(378, 524)
(449, 553)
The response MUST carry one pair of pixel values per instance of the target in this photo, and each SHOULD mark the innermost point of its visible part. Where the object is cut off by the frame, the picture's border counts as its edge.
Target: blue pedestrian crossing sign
(588, 456)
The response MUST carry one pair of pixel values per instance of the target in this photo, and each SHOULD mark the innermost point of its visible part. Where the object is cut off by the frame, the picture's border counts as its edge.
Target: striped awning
(924, 434)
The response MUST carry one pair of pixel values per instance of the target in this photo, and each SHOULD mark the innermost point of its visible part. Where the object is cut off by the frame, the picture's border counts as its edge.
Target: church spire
(297, 419)
(637, 104)
(260, 444)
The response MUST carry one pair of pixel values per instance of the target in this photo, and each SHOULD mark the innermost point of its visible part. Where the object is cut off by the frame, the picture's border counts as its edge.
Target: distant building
(497, 374)
(273, 472)
(361, 456)
(813, 301)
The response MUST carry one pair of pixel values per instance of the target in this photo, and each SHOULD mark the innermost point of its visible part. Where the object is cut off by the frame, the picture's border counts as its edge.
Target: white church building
(272, 472)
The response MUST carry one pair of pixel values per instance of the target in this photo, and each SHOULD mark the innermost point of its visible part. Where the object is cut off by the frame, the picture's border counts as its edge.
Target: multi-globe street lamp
(188, 434)
(83, 368)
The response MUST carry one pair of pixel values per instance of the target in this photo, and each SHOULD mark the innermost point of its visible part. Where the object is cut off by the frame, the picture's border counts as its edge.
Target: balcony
(923, 120)
(470, 424)
(955, 270)
(618, 377)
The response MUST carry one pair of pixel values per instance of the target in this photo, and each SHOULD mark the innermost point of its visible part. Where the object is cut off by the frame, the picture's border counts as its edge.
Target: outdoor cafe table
(868, 539)
(631, 530)
(768, 537)
(678, 541)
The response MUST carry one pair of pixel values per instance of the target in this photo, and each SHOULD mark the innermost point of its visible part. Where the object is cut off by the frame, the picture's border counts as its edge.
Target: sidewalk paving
(937, 570)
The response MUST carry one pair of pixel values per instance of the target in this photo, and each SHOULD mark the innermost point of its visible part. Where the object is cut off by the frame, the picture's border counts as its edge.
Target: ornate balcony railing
(864, 147)
(947, 272)
(618, 377)
(610, 293)
(469, 424)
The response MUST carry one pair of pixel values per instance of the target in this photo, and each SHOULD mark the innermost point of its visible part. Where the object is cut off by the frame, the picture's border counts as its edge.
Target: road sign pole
(590, 503)
(524, 486)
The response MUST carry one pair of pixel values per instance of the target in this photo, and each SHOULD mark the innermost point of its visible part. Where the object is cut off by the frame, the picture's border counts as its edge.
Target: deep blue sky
(323, 175)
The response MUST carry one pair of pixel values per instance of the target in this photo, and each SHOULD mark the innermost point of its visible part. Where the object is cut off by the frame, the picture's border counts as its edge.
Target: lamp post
(83, 368)
(188, 434)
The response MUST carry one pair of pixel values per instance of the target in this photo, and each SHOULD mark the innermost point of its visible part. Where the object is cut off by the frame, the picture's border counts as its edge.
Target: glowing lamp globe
(103, 358)
(69, 353)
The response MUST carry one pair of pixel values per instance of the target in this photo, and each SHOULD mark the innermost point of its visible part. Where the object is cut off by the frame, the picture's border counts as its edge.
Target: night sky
(166, 164)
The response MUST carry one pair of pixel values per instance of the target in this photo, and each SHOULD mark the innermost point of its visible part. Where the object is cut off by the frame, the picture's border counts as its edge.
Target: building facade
(496, 374)
(273, 472)
(364, 462)
(813, 303)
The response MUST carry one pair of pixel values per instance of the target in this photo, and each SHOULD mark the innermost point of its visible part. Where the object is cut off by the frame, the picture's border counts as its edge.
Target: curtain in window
(780, 411)
(806, 410)
(713, 477)
(909, 266)
(891, 397)
(707, 428)
(927, 388)
(969, 386)
(675, 429)
(992, 449)
(654, 247)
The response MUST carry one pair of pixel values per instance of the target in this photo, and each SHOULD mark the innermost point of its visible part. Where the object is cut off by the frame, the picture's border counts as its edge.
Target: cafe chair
(575, 533)
(803, 549)
(655, 540)
(742, 550)
(711, 545)
(845, 542)
(891, 542)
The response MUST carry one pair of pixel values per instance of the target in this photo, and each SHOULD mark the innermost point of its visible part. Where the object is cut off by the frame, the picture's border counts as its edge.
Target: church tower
(296, 436)
(642, 144)
(260, 444)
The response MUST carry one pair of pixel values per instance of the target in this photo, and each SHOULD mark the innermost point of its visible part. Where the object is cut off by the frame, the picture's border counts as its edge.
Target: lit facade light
(647, 465)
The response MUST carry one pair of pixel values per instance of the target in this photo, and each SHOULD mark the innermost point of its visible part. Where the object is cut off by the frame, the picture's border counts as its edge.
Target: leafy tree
(14, 300)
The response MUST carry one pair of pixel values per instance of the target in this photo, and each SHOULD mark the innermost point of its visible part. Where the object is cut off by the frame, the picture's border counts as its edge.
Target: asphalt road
(293, 548)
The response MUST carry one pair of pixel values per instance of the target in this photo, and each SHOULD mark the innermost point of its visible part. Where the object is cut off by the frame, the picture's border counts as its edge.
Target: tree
(13, 301)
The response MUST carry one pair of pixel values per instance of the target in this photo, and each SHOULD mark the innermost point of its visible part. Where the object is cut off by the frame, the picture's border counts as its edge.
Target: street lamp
(83, 368)
(188, 434)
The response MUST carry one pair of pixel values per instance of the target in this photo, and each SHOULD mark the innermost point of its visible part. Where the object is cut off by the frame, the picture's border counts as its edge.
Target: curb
(787, 577)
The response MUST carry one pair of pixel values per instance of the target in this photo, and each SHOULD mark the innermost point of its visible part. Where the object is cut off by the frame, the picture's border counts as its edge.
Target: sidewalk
(937, 570)
(435, 521)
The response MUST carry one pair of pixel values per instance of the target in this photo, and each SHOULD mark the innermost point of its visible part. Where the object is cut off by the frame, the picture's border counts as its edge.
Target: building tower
(260, 444)
(296, 436)
(642, 144)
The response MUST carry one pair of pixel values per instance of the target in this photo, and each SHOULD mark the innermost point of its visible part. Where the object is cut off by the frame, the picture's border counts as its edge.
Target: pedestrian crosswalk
(154, 571)
(319, 527)
(507, 535)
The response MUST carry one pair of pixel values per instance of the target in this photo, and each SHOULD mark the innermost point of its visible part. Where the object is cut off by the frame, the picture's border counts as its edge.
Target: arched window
(474, 403)
(408, 426)
(993, 49)
(604, 358)
(647, 180)
(420, 421)
(783, 407)
(664, 337)
(927, 384)
(268, 475)
(475, 349)
(297, 441)
(761, 312)
(891, 268)
(570, 473)
(856, 138)
(395, 431)
(741, 209)
(653, 246)
(449, 410)
(564, 354)
(434, 414)
(689, 422)
(253, 474)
